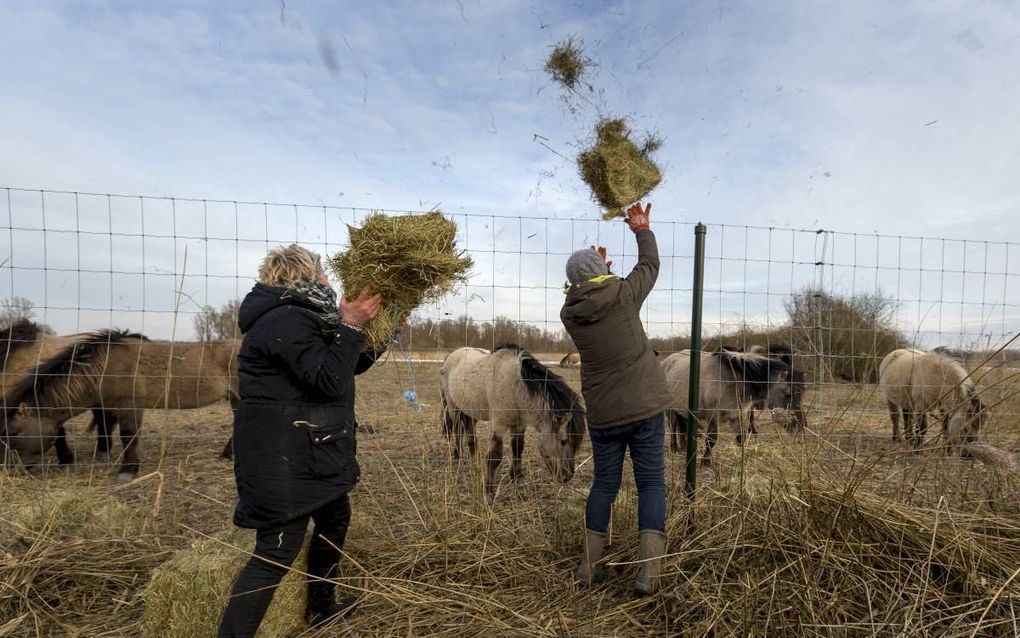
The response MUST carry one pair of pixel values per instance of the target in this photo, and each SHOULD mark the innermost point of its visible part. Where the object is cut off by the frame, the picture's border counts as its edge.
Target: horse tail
(545, 385)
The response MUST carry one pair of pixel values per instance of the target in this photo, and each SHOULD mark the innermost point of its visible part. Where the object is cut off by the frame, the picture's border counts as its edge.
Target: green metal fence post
(695, 373)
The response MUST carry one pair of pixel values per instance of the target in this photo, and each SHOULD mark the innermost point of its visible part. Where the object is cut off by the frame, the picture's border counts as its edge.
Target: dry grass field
(837, 531)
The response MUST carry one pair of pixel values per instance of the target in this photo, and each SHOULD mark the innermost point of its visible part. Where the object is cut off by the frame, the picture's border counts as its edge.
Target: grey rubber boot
(653, 547)
(589, 572)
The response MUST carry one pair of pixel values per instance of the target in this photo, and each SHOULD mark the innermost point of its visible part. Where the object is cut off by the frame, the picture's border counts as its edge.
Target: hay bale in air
(617, 170)
(187, 594)
(567, 63)
(410, 259)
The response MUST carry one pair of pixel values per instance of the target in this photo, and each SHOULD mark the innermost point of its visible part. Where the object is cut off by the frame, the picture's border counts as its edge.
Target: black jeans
(275, 550)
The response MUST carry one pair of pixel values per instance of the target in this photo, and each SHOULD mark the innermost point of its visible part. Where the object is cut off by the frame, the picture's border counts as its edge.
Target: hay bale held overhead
(410, 259)
(617, 170)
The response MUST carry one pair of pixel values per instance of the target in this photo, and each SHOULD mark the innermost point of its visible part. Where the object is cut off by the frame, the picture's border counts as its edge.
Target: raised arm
(646, 270)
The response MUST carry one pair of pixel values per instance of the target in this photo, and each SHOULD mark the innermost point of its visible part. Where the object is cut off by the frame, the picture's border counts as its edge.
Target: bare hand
(361, 310)
(601, 250)
(637, 218)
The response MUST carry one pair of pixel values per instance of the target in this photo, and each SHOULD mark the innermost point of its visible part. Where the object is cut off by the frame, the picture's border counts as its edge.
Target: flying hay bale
(619, 172)
(567, 63)
(187, 594)
(410, 259)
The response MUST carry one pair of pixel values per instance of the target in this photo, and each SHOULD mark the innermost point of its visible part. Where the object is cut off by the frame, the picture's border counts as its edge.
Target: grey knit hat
(585, 264)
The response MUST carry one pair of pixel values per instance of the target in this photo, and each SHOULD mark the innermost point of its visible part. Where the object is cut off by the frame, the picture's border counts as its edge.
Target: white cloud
(860, 117)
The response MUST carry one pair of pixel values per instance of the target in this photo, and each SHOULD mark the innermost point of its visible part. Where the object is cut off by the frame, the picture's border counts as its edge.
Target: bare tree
(15, 309)
(211, 323)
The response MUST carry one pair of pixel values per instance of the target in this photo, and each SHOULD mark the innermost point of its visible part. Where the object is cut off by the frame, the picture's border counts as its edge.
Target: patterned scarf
(321, 296)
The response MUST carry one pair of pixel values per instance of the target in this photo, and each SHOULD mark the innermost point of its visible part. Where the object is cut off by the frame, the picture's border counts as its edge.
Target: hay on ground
(567, 63)
(410, 259)
(187, 594)
(617, 170)
(66, 551)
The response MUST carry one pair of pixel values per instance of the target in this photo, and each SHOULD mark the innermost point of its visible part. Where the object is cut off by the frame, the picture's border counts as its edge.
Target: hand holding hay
(409, 259)
(619, 172)
(361, 310)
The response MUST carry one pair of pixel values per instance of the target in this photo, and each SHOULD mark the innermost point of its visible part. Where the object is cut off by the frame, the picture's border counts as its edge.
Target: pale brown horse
(731, 382)
(512, 390)
(122, 374)
(917, 383)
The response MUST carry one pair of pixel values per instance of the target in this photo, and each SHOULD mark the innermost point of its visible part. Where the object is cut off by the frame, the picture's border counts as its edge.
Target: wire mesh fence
(174, 269)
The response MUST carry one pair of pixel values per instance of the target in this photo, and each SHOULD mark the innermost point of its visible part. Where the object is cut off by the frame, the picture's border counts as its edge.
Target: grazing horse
(791, 406)
(511, 390)
(730, 383)
(122, 374)
(571, 360)
(916, 383)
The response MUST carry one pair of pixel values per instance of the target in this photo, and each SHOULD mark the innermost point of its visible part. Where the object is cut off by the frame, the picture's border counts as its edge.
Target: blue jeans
(609, 445)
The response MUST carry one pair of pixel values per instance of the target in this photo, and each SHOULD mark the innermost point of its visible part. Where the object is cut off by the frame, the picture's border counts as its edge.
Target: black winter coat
(294, 431)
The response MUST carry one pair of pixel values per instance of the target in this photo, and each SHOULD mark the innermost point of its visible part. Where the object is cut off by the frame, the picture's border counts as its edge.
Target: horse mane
(59, 379)
(779, 351)
(18, 335)
(544, 384)
(755, 369)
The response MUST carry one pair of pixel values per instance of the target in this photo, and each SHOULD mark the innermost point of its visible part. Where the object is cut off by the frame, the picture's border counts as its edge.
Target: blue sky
(864, 117)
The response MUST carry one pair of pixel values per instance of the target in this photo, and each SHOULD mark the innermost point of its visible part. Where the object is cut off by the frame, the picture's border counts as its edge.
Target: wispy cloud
(862, 117)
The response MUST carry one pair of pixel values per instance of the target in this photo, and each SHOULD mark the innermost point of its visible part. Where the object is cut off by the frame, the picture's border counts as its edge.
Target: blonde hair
(285, 266)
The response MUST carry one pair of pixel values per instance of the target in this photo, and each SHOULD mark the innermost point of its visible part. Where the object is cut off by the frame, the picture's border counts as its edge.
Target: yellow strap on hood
(593, 280)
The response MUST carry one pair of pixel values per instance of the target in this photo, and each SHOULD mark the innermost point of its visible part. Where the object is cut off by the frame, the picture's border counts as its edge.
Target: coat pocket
(332, 450)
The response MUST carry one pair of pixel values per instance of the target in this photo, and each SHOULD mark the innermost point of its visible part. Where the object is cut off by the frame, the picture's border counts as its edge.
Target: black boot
(323, 607)
(323, 563)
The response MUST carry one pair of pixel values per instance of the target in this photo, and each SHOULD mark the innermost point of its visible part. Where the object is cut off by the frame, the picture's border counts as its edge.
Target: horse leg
(516, 448)
(922, 429)
(678, 431)
(130, 432)
(750, 423)
(710, 438)
(472, 438)
(65, 455)
(493, 459)
(894, 414)
(908, 425)
(450, 431)
(104, 422)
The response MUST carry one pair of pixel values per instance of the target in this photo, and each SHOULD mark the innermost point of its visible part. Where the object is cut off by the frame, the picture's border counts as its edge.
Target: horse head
(787, 393)
(562, 436)
(28, 434)
(965, 423)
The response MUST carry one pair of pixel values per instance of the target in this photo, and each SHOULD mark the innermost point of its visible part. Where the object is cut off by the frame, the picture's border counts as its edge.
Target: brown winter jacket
(621, 379)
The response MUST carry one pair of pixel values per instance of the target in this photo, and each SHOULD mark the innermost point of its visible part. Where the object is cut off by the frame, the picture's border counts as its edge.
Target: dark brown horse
(121, 374)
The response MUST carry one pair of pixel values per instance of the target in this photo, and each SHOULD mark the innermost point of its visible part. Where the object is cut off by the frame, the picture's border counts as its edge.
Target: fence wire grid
(173, 269)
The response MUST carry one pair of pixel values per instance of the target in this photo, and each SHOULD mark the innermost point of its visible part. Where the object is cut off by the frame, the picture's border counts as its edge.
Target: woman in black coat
(294, 432)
